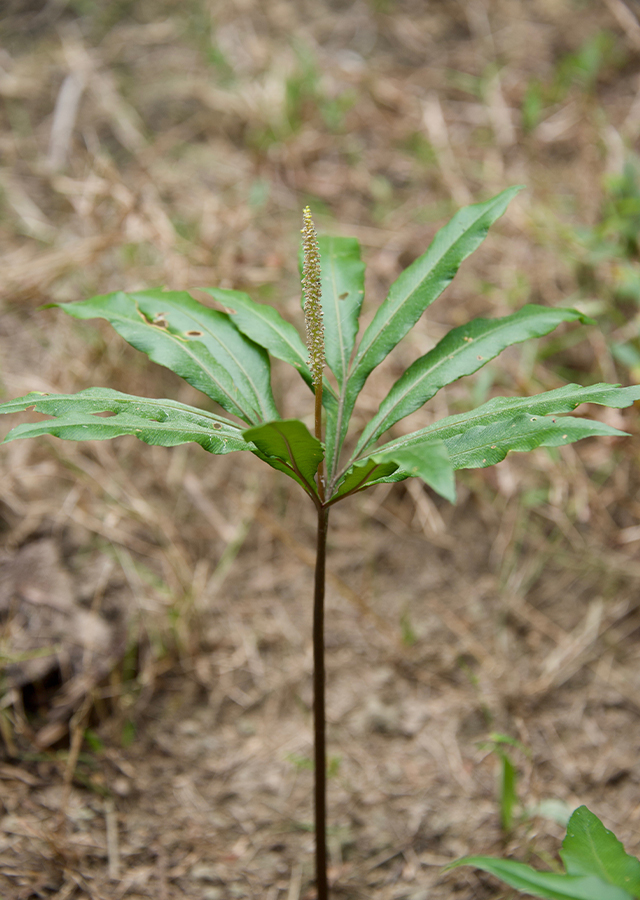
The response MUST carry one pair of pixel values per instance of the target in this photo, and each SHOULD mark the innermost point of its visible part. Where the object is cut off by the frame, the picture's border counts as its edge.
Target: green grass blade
(508, 790)
(462, 351)
(548, 885)
(590, 849)
(200, 344)
(288, 445)
(162, 422)
(503, 409)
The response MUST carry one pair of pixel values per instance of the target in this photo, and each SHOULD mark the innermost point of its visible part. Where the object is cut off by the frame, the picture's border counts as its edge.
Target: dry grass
(160, 143)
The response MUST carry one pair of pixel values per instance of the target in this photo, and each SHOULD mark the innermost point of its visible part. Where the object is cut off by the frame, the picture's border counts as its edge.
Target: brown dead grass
(161, 143)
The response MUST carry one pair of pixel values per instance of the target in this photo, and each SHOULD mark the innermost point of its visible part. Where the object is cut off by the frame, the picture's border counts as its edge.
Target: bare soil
(155, 704)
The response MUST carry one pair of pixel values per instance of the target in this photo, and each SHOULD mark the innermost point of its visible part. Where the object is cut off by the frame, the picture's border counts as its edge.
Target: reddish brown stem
(319, 719)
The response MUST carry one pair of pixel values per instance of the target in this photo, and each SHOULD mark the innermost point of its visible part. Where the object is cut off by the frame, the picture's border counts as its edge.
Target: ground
(155, 711)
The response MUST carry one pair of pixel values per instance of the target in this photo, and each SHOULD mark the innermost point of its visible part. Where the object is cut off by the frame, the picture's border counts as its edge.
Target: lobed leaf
(162, 422)
(462, 351)
(590, 849)
(200, 344)
(548, 885)
(289, 446)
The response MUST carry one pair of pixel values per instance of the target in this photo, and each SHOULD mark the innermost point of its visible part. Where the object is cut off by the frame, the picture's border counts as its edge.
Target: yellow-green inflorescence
(311, 283)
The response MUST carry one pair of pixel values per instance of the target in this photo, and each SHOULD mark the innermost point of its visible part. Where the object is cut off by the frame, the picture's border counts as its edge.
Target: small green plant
(226, 355)
(508, 786)
(597, 866)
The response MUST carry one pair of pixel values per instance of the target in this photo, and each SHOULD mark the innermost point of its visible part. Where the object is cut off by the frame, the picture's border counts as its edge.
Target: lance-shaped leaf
(462, 351)
(342, 274)
(418, 286)
(264, 325)
(483, 446)
(503, 409)
(486, 445)
(289, 446)
(162, 422)
(591, 849)
(342, 278)
(548, 885)
(200, 344)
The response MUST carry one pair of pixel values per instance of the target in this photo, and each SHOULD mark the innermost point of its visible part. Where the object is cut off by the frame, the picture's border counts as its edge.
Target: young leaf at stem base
(289, 446)
(430, 462)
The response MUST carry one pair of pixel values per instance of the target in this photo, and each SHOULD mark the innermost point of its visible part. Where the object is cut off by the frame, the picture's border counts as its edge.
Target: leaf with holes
(200, 344)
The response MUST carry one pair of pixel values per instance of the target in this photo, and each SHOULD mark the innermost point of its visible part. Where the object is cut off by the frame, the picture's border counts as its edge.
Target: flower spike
(311, 283)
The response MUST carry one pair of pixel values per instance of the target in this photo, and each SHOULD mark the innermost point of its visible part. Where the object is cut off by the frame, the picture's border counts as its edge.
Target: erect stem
(318, 421)
(320, 752)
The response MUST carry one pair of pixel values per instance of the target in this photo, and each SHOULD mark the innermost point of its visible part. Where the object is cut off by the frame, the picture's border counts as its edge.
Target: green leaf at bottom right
(598, 868)
(548, 885)
(591, 849)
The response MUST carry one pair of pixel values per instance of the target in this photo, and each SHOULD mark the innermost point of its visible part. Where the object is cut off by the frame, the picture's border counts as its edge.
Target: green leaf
(505, 409)
(483, 446)
(200, 344)
(264, 325)
(548, 885)
(590, 849)
(428, 461)
(162, 422)
(342, 273)
(423, 282)
(288, 445)
(363, 475)
(462, 351)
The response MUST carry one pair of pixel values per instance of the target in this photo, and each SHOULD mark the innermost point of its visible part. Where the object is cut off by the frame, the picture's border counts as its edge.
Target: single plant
(226, 356)
(597, 866)
(508, 783)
